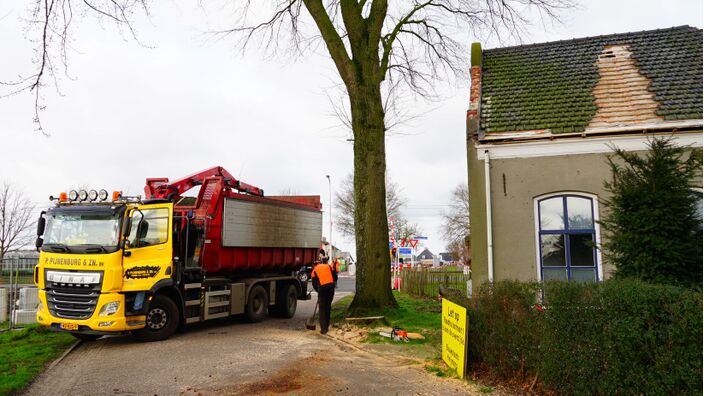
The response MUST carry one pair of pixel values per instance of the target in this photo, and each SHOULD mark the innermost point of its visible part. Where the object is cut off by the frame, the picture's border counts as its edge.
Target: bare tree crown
(455, 224)
(16, 211)
(409, 44)
(415, 42)
(395, 201)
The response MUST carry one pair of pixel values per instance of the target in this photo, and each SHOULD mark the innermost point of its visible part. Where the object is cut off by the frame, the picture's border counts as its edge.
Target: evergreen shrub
(653, 218)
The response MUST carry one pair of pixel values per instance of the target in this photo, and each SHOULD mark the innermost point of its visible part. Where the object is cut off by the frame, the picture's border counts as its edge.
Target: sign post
(455, 336)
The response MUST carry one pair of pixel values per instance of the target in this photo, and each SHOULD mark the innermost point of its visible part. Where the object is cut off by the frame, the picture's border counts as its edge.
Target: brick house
(541, 121)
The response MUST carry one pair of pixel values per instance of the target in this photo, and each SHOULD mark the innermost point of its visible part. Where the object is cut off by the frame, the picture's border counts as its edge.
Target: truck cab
(98, 263)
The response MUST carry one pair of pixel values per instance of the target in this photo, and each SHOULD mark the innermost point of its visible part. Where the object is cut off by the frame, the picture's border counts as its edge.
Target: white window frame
(597, 229)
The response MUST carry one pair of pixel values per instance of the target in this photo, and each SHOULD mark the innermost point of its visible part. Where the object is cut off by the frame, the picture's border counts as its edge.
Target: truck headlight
(109, 308)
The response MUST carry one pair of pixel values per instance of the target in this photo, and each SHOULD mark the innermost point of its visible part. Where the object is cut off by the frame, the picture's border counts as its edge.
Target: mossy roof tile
(549, 85)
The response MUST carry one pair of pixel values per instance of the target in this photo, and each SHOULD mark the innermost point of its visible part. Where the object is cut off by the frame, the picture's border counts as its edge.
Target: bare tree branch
(345, 207)
(416, 44)
(455, 226)
(50, 26)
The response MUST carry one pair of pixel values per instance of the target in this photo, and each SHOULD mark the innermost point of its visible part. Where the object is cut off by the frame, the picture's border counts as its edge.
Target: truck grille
(72, 301)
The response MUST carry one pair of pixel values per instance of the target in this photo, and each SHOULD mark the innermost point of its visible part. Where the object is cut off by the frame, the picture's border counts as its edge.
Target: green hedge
(615, 337)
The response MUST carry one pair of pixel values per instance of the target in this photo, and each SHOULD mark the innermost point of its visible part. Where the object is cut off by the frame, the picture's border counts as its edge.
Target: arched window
(567, 237)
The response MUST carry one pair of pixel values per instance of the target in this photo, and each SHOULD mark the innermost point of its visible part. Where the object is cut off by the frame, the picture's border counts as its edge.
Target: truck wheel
(303, 275)
(162, 320)
(86, 337)
(291, 302)
(257, 304)
(286, 302)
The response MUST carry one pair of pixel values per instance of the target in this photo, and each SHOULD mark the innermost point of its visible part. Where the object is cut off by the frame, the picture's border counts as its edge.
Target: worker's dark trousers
(325, 295)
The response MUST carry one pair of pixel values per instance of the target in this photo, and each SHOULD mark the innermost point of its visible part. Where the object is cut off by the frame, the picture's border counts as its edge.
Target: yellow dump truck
(111, 265)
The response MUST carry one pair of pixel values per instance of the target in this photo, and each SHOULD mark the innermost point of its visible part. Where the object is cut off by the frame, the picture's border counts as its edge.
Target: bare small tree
(290, 190)
(345, 205)
(455, 224)
(407, 230)
(460, 250)
(16, 219)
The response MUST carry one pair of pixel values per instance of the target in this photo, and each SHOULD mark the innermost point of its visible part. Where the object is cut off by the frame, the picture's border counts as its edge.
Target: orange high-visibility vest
(337, 265)
(324, 274)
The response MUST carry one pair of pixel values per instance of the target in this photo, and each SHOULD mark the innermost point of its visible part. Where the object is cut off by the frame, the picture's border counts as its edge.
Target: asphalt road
(345, 284)
(233, 357)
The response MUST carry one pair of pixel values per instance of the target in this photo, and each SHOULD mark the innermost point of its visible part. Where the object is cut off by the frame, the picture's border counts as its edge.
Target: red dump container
(261, 234)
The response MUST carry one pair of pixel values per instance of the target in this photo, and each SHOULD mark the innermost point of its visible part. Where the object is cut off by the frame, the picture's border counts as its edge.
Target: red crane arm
(162, 188)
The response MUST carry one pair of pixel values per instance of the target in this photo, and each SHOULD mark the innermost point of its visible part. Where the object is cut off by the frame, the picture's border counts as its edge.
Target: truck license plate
(69, 326)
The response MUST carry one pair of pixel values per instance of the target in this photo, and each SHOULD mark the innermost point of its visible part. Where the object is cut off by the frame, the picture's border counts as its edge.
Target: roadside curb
(50, 366)
(60, 358)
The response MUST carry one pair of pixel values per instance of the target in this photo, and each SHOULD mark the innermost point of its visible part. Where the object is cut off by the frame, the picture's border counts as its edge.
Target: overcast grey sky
(183, 103)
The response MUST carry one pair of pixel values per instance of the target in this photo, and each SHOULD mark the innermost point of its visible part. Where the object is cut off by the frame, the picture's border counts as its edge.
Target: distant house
(541, 121)
(425, 255)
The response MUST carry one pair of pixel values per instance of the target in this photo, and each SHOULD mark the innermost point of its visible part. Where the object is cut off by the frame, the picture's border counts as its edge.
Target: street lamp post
(330, 195)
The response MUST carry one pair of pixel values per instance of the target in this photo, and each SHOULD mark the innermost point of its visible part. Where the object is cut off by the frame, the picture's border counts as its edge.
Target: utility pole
(330, 211)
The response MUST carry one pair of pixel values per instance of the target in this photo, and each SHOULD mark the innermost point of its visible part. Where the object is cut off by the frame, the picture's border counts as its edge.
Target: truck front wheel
(162, 320)
(257, 304)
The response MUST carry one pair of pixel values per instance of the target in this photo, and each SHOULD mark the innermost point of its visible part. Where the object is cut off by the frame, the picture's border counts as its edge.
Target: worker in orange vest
(336, 268)
(324, 278)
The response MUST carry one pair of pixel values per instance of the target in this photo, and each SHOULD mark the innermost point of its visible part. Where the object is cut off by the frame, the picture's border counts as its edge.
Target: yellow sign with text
(454, 336)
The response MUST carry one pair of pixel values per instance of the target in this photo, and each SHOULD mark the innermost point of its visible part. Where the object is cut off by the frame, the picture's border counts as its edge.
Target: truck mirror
(126, 225)
(41, 225)
(127, 222)
(39, 242)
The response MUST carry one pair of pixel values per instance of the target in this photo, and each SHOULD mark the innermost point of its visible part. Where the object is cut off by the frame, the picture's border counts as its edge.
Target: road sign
(420, 237)
(454, 336)
(405, 251)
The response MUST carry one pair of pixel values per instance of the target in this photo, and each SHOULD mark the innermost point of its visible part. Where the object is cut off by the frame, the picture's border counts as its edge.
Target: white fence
(18, 295)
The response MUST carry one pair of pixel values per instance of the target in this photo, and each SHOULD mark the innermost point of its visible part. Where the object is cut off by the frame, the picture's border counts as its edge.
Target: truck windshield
(87, 232)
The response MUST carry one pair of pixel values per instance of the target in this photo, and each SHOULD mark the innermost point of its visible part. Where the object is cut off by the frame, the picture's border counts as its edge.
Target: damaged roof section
(621, 94)
(595, 84)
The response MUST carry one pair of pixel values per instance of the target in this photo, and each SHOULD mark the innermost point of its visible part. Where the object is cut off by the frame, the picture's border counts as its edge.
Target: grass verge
(414, 314)
(417, 315)
(24, 353)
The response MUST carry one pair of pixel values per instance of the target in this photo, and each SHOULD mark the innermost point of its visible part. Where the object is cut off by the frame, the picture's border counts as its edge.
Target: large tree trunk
(371, 225)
